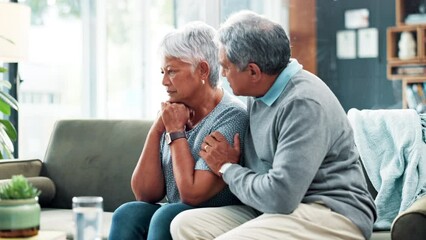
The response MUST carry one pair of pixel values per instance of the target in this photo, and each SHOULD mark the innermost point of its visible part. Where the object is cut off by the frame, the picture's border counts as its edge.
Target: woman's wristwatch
(171, 136)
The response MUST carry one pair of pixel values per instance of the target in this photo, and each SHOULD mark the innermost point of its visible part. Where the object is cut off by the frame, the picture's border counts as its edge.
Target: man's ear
(204, 70)
(254, 71)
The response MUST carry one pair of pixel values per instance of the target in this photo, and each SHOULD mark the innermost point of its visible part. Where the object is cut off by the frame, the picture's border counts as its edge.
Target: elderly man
(300, 175)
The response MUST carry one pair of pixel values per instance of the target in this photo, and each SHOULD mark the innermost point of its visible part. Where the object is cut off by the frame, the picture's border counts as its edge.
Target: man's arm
(302, 145)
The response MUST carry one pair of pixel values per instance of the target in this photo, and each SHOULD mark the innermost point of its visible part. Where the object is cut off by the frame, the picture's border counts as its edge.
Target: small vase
(19, 218)
(407, 46)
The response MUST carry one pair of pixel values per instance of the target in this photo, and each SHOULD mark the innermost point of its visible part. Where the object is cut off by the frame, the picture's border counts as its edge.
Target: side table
(43, 235)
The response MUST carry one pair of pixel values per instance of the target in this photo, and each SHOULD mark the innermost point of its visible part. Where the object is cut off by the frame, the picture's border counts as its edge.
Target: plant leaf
(6, 150)
(6, 84)
(7, 130)
(8, 134)
(4, 107)
(8, 154)
(9, 100)
(10, 129)
(5, 140)
(18, 188)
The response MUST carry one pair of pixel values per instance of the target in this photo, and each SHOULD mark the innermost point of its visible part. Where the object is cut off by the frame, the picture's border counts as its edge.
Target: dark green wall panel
(361, 82)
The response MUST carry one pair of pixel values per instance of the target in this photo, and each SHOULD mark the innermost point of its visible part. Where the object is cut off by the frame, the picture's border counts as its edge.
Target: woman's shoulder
(230, 109)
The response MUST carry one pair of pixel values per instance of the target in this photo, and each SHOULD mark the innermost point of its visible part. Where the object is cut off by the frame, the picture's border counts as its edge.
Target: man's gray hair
(248, 37)
(192, 44)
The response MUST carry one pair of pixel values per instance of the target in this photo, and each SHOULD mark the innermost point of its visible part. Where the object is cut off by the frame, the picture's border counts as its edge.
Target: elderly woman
(170, 165)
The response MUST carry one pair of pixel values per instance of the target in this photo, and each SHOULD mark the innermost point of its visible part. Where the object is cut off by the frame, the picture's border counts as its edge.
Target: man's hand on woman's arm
(216, 151)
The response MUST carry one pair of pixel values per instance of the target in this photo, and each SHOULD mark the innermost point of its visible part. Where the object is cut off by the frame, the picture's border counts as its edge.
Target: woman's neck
(202, 108)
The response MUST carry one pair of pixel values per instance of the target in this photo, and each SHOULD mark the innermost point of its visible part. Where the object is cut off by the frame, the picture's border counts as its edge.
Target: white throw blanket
(394, 155)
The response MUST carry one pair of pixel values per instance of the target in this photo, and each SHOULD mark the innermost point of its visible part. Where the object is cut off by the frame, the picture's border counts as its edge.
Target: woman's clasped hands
(175, 116)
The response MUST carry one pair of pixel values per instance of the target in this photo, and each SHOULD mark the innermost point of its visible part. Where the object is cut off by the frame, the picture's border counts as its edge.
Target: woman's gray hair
(251, 38)
(193, 43)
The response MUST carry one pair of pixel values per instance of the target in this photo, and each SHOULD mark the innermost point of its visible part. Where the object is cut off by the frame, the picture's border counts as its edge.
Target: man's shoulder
(232, 102)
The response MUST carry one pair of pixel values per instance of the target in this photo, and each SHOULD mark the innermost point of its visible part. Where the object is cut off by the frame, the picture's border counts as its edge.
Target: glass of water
(87, 217)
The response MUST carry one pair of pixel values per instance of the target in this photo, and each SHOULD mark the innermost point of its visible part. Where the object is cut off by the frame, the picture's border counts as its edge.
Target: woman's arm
(194, 186)
(198, 186)
(147, 179)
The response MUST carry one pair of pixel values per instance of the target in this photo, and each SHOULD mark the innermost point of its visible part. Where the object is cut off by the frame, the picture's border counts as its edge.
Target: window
(98, 59)
(52, 77)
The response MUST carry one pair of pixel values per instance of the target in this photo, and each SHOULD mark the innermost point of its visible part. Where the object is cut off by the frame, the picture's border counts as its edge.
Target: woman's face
(180, 79)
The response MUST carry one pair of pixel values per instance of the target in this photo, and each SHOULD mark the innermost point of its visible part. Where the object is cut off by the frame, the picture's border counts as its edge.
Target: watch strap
(174, 135)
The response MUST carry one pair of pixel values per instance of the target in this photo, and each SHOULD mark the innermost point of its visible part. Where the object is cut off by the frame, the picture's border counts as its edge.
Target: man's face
(238, 80)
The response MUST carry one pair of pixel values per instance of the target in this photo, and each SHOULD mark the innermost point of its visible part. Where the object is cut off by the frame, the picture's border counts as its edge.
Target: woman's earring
(203, 82)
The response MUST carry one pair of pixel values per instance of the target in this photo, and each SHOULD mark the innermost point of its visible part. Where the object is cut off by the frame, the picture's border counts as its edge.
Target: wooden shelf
(400, 68)
(411, 71)
(405, 8)
(393, 37)
(398, 71)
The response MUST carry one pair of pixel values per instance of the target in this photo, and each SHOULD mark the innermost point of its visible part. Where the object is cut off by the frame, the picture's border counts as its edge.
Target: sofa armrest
(411, 223)
(27, 167)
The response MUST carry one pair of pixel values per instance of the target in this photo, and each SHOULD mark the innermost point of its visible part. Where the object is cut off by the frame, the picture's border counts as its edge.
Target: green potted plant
(8, 132)
(19, 209)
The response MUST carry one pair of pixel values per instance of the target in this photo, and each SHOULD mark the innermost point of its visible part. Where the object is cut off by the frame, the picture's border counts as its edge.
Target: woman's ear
(204, 70)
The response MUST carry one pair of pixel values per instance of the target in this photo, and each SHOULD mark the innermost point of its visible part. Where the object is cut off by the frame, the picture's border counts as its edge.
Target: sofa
(83, 158)
(97, 158)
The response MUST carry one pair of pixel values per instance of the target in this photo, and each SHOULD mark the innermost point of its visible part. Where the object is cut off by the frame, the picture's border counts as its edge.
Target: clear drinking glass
(88, 217)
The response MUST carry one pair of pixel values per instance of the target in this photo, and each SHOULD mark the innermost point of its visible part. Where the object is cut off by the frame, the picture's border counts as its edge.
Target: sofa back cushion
(94, 158)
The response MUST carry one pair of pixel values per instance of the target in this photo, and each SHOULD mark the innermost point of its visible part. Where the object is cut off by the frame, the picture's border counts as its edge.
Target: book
(421, 93)
(410, 97)
(416, 98)
(410, 70)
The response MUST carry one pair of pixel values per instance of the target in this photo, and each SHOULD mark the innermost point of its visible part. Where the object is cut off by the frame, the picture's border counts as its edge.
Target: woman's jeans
(141, 220)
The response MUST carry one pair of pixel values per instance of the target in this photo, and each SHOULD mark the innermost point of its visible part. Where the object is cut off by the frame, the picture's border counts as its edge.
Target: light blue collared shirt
(274, 92)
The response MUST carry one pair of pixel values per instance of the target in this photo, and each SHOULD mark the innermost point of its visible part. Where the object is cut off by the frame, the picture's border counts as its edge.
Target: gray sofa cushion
(28, 168)
(94, 158)
(47, 188)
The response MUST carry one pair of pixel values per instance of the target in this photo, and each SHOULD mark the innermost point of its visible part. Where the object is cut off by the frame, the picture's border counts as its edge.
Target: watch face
(168, 139)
